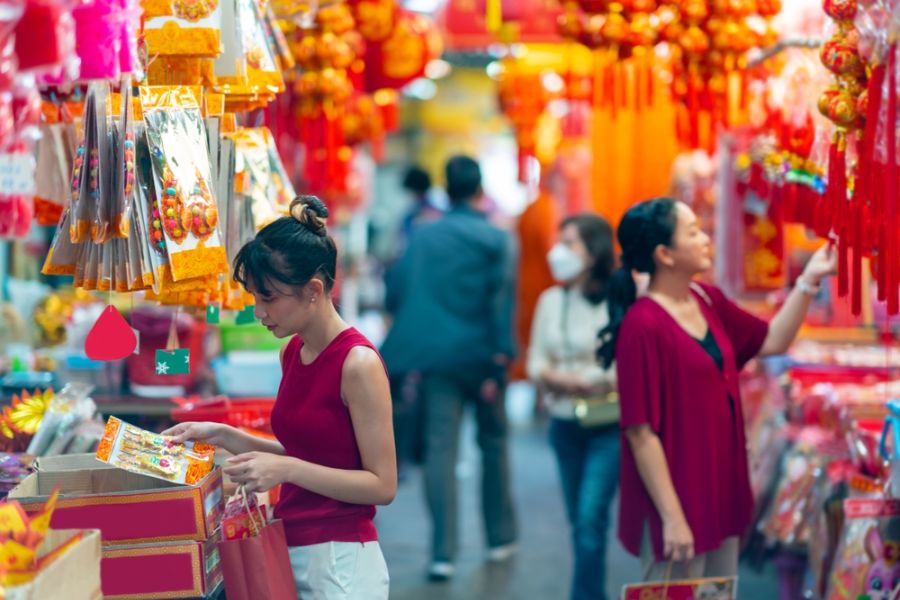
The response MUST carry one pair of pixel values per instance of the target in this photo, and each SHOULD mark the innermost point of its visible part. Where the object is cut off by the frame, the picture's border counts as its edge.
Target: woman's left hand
(822, 264)
(257, 471)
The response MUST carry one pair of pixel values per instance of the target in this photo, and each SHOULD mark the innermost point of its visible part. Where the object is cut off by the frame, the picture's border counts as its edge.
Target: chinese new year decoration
(861, 199)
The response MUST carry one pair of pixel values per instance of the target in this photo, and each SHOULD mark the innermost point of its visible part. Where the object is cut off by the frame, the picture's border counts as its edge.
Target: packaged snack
(148, 453)
(186, 214)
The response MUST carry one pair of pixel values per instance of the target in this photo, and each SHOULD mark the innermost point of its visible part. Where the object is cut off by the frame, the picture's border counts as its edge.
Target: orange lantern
(403, 56)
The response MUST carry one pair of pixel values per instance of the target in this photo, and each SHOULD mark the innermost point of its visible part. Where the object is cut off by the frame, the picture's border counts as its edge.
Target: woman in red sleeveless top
(334, 455)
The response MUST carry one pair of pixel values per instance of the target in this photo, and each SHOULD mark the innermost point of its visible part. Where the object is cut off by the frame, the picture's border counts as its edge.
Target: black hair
(644, 228)
(463, 179)
(597, 236)
(417, 180)
(290, 251)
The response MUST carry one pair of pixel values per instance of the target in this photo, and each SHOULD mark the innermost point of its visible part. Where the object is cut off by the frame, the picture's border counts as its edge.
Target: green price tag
(173, 362)
(246, 317)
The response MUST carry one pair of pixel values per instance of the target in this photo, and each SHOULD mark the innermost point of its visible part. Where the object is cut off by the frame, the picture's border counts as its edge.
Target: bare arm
(239, 442)
(784, 327)
(223, 436)
(654, 470)
(367, 394)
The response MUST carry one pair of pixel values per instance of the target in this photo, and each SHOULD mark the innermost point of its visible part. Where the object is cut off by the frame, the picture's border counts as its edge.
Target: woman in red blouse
(685, 485)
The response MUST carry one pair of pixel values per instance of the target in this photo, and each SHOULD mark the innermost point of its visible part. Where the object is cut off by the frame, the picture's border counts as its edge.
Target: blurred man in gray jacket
(451, 297)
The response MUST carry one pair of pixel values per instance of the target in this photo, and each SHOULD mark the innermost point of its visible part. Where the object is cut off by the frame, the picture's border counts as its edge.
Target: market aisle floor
(542, 568)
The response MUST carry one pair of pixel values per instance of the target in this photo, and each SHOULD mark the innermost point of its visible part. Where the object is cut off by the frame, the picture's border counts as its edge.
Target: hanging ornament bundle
(249, 70)
(96, 239)
(523, 98)
(860, 206)
(184, 218)
(622, 36)
(709, 40)
(325, 47)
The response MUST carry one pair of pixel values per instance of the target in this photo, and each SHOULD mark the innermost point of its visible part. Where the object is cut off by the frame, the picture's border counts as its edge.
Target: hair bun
(310, 212)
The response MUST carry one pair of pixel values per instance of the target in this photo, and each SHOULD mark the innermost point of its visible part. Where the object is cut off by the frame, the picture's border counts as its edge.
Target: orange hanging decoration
(325, 50)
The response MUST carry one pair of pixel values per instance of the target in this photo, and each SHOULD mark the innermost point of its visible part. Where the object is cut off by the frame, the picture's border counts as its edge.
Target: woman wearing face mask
(562, 359)
(334, 454)
(686, 497)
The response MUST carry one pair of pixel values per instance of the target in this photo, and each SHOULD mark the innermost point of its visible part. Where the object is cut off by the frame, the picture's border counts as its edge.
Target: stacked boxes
(159, 538)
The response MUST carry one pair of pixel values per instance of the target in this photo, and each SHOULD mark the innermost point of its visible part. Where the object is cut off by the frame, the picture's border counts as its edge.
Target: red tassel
(867, 147)
(856, 219)
(843, 266)
(651, 92)
(693, 101)
(891, 266)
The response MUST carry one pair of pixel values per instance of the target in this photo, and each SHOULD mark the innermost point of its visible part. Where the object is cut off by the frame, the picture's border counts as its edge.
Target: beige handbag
(598, 411)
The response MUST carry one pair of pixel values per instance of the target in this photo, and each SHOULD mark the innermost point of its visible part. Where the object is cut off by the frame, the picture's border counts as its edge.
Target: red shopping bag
(720, 588)
(258, 566)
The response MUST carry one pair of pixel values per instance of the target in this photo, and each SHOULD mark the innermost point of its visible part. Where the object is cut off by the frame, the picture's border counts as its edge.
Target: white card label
(17, 175)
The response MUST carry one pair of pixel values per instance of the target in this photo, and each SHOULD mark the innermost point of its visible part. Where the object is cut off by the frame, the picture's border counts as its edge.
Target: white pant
(340, 571)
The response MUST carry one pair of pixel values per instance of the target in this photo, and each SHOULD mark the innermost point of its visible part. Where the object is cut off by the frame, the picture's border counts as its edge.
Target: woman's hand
(257, 471)
(211, 433)
(822, 264)
(678, 540)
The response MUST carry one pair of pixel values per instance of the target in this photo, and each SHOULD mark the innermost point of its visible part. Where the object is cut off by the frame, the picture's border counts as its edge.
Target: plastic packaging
(147, 453)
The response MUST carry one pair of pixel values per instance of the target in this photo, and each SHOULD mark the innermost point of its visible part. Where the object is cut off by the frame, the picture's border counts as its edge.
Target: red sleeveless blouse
(313, 424)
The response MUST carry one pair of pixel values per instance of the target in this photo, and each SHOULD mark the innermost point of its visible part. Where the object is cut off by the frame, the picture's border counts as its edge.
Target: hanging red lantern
(403, 56)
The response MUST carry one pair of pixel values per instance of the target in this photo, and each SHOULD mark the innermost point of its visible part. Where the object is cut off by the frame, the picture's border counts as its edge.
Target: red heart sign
(111, 337)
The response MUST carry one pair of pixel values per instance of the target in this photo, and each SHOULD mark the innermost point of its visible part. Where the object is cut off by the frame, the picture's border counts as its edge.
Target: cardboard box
(73, 575)
(126, 507)
(159, 571)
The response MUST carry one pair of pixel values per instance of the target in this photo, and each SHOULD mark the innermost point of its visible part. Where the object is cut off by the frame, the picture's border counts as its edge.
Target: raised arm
(786, 324)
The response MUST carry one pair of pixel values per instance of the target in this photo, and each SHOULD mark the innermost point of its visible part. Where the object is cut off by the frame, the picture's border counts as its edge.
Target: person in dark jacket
(451, 300)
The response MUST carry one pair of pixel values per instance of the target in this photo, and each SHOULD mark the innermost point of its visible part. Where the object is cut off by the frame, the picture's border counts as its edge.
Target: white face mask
(564, 263)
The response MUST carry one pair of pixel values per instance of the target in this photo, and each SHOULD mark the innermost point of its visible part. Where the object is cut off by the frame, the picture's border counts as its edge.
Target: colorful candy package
(148, 453)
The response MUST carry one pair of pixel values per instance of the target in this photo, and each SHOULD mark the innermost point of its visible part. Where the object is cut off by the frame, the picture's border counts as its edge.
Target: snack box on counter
(188, 569)
(127, 508)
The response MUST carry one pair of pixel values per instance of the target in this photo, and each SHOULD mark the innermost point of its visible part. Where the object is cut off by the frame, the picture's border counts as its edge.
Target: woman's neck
(672, 285)
(322, 330)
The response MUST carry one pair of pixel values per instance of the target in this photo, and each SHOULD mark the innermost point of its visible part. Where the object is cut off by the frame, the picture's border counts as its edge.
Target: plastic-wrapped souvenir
(90, 181)
(68, 408)
(55, 152)
(147, 453)
(183, 27)
(113, 213)
(803, 486)
(186, 213)
(249, 65)
(867, 562)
